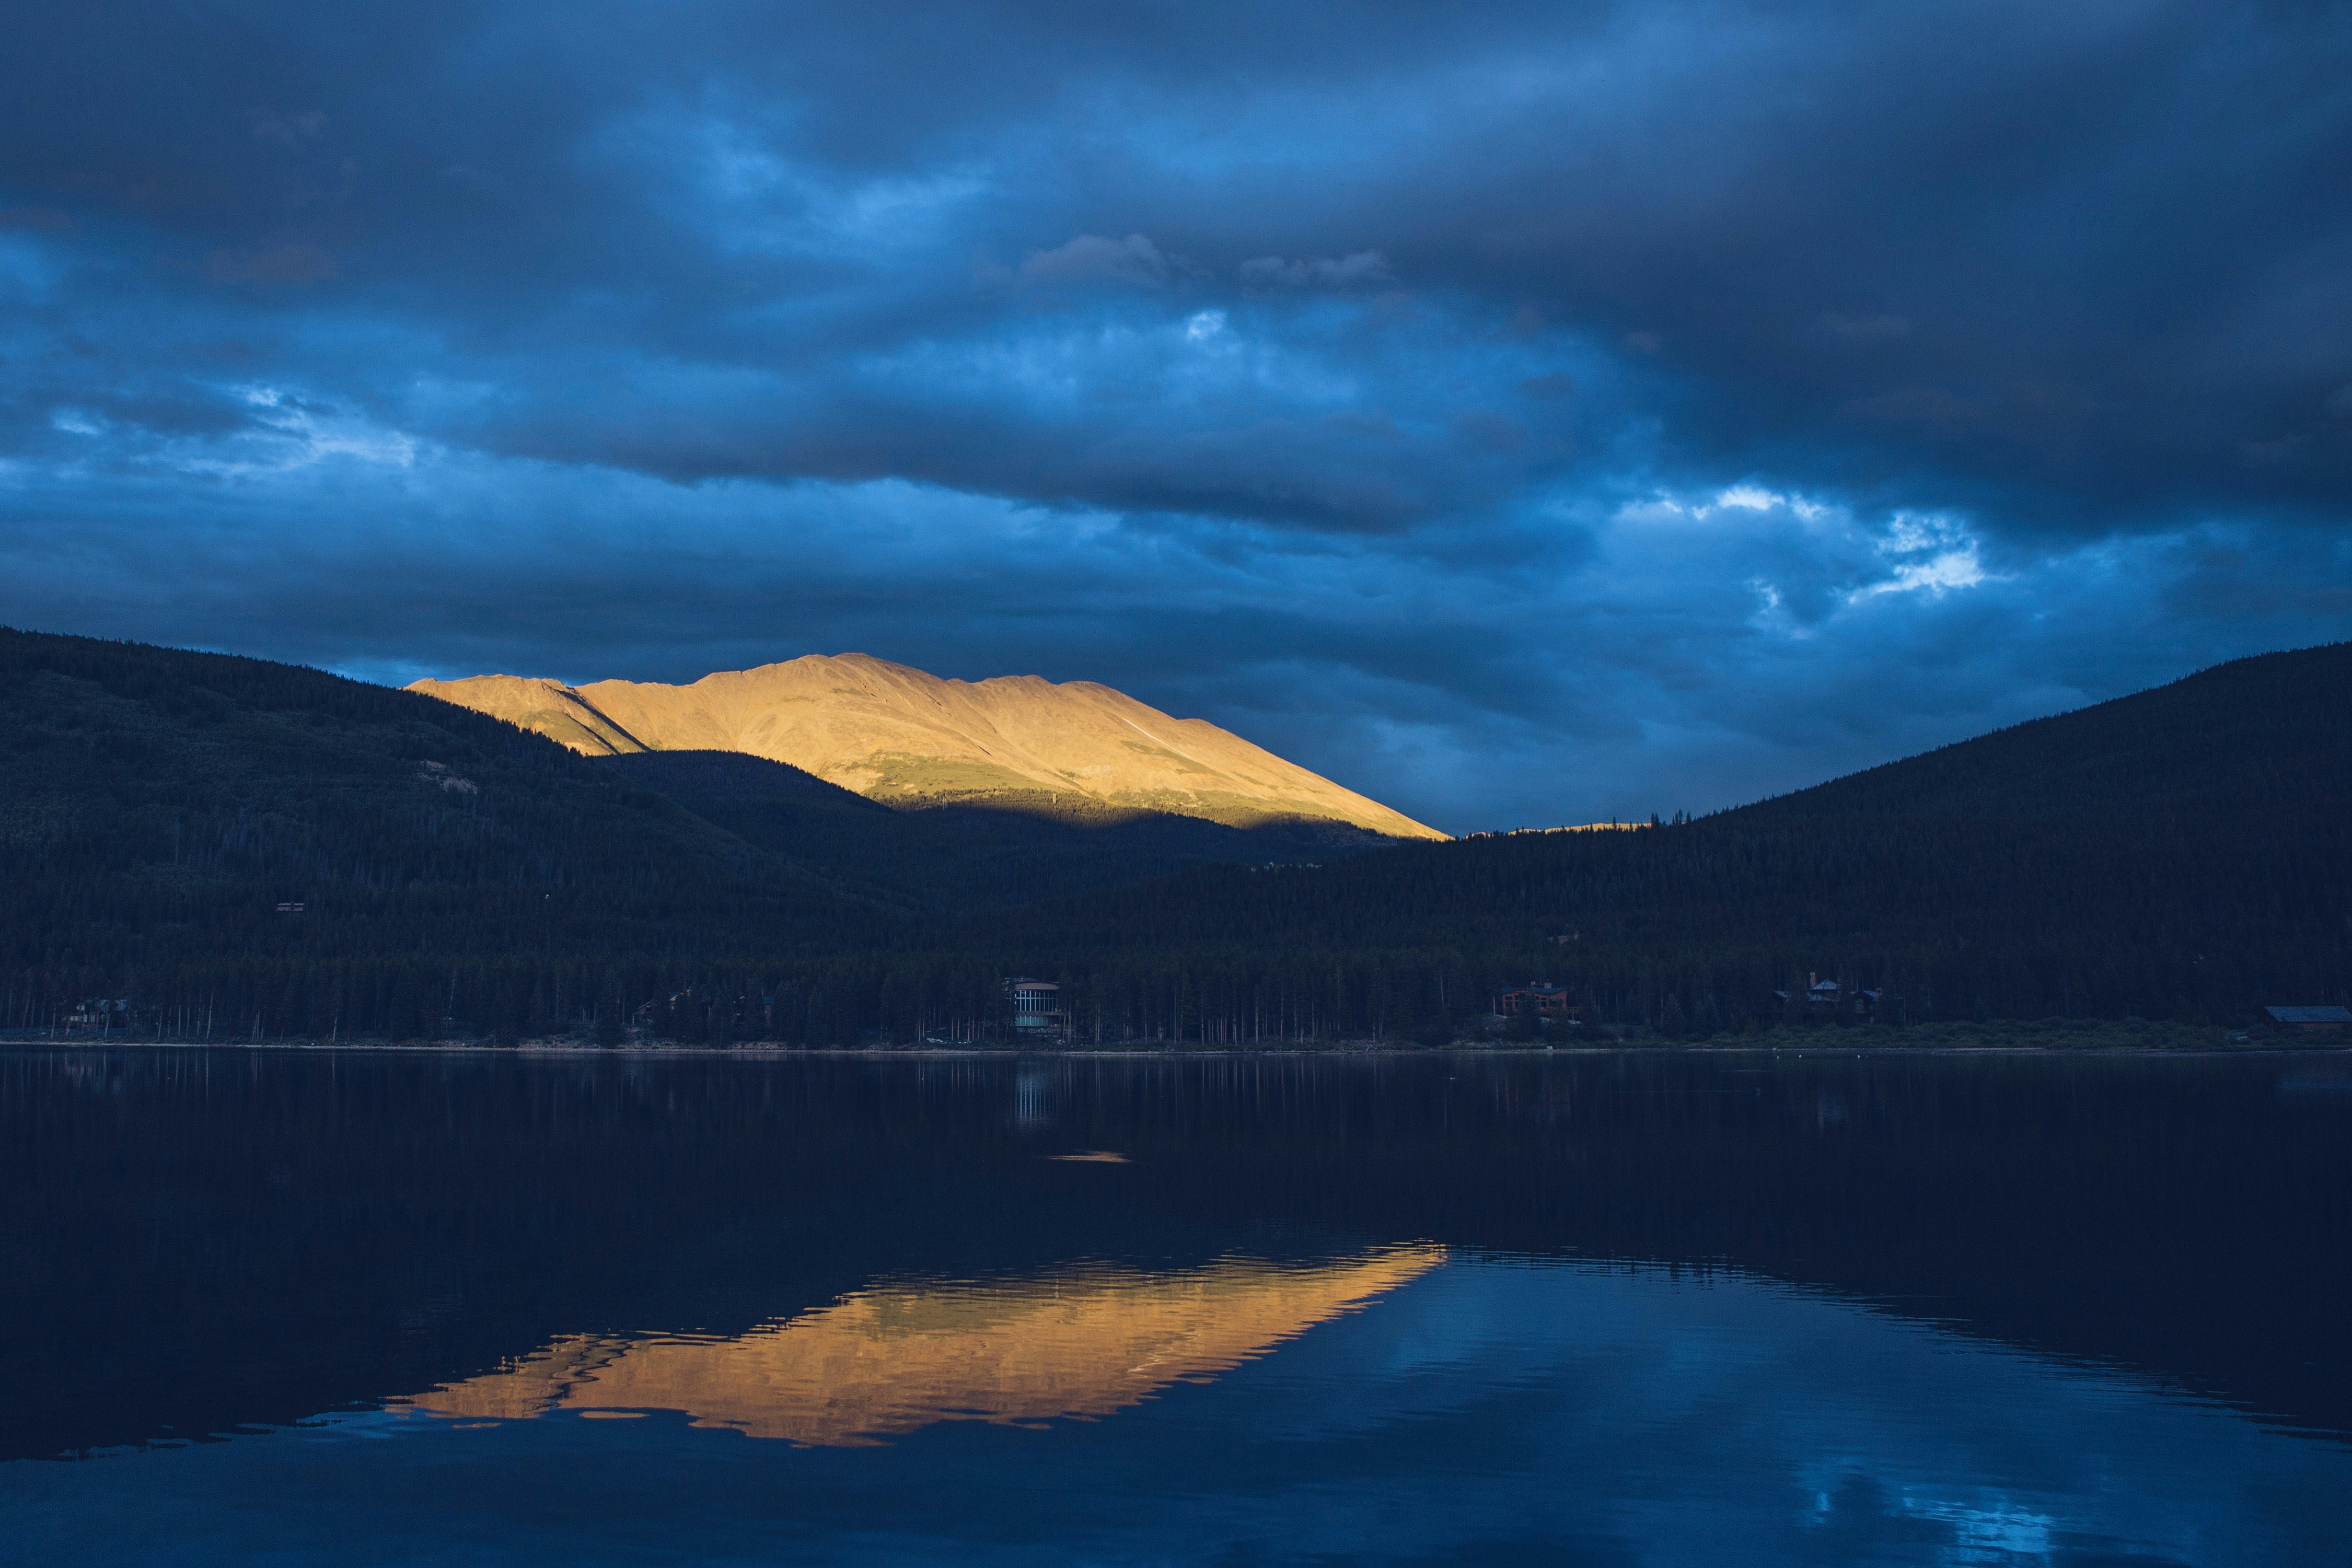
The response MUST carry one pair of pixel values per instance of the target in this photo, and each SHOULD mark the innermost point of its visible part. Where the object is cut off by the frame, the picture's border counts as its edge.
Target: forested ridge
(157, 807)
(964, 857)
(2181, 854)
(2184, 852)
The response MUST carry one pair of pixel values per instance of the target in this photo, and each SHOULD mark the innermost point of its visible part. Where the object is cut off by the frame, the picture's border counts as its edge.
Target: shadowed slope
(2271, 732)
(263, 849)
(962, 857)
(903, 736)
(2182, 852)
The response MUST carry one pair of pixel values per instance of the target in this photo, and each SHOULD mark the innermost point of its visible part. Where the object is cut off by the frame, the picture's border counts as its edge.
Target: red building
(1545, 1001)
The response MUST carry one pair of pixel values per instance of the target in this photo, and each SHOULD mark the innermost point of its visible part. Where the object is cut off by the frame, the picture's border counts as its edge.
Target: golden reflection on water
(903, 1354)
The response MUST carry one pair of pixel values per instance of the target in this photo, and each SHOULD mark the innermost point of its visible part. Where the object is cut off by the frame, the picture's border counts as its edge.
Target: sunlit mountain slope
(900, 735)
(903, 1354)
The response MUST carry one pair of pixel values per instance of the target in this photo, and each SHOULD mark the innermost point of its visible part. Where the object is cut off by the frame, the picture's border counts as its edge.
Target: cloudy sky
(1522, 413)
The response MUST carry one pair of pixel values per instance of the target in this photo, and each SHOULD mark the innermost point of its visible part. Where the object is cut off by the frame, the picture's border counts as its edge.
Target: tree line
(2181, 854)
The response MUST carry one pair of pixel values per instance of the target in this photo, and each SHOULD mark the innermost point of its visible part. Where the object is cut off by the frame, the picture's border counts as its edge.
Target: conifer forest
(197, 846)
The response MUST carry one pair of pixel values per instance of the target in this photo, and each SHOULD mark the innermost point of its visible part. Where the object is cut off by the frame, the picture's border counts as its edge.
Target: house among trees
(1537, 996)
(1037, 1010)
(1826, 998)
(104, 1014)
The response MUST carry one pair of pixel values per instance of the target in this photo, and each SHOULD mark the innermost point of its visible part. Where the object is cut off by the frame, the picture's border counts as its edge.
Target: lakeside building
(1826, 997)
(1537, 996)
(1037, 1010)
(107, 1015)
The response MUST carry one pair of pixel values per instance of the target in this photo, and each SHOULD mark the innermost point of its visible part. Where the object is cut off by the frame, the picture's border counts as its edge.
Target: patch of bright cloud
(1744, 497)
(1951, 569)
(288, 433)
(1929, 553)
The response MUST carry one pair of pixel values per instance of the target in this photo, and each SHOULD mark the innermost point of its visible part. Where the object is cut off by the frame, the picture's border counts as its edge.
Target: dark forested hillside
(158, 807)
(962, 858)
(2183, 854)
(2273, 732)
(457, 875)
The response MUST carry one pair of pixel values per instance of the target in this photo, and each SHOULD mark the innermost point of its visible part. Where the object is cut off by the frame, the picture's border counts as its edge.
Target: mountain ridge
(2179, 852)
(252, 851)
(908, 739)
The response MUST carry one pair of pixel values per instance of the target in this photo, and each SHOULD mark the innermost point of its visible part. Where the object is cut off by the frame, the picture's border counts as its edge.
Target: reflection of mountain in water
(196, 1241)
(902, 1355)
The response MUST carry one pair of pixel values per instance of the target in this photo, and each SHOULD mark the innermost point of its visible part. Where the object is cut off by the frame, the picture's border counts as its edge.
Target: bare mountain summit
(907, 739)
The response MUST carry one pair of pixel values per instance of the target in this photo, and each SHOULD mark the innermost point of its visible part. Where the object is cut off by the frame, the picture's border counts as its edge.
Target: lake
(457, 1308)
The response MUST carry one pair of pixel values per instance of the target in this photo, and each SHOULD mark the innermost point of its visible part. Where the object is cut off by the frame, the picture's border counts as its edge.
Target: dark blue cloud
(1523, 414)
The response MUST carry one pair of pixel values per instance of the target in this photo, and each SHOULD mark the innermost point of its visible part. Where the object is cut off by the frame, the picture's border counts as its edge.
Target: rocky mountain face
(907, 739)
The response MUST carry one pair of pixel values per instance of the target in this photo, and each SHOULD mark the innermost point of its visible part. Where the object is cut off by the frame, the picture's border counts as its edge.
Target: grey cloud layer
(1400, 354)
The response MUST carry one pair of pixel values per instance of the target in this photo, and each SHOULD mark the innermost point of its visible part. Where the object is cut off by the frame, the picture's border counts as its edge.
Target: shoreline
(1350, 1051)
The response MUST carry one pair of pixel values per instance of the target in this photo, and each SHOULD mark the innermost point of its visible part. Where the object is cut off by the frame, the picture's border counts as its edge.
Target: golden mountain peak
(904, 736)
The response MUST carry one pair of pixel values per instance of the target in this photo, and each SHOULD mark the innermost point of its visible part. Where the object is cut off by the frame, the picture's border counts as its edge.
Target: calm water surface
(307, 1307)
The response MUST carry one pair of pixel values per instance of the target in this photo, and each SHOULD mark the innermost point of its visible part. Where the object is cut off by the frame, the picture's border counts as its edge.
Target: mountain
(238, 847)
(911, 739)
(2269, 733)
(161, 810)
(2183, 853)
